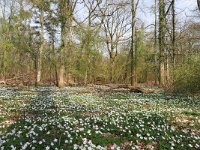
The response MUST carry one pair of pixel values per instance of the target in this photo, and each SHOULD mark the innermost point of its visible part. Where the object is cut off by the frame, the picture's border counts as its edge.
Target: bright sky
(184, 9)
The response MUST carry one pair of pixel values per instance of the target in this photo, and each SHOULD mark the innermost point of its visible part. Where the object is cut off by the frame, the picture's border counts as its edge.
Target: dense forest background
(69, 42)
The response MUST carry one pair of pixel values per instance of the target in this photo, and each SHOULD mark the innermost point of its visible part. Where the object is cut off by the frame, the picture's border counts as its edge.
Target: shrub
(187, 77)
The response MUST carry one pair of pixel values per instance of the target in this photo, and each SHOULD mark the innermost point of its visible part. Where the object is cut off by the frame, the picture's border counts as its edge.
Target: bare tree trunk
(132, 46)
(155, 44)
(126, 70)
(167, 73)
(173, 33)
(155, 22)
(133, 50)
(66, 37)
(198, 2)
(63, 16)
(69, 42)
(112, 62)
(39, 55)
(62, 55)
(135, 59)
(162, 42)
(61, 74)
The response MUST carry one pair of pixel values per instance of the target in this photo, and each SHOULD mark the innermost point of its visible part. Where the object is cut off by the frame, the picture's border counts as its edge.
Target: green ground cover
(88, 118)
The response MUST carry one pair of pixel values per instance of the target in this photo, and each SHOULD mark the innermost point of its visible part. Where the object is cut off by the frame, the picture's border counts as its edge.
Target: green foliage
(187, 78)
(87, 59)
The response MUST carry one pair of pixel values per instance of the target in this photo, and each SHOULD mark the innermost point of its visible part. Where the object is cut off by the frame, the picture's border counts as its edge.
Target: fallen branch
(18, 77)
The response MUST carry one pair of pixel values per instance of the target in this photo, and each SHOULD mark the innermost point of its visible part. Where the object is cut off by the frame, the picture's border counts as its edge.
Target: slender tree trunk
(155, 44)
(69, 43)
(135, 59)
(198, 2)
(55, 72)
(155, 22)
(39, 55)
(112, 62)
(61, 74)
(162, 42)
(173, 33)
(167, 71)
(126, 69)
(62, 55)
(133, 51)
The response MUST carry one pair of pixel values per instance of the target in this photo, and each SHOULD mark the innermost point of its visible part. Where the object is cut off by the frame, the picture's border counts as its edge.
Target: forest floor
(96, 118)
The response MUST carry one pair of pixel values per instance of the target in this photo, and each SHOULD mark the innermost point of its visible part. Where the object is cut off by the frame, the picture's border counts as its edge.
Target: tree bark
(62, 56)
(161, 42)
(173, 33)
(133, 50)
(66, 33)
(63, 18)
(112, 63)
(198, 3)
(39, 55)
(155, 45)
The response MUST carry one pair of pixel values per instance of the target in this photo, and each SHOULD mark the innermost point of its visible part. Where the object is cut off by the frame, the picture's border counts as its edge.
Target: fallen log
(136, 90)
(117, 86)
(2, 82)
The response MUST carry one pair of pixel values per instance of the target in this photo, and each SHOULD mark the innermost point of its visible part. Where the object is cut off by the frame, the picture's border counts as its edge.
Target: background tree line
(96, 42)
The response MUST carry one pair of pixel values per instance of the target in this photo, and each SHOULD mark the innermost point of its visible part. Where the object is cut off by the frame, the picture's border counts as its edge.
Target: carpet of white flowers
(87, 118)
